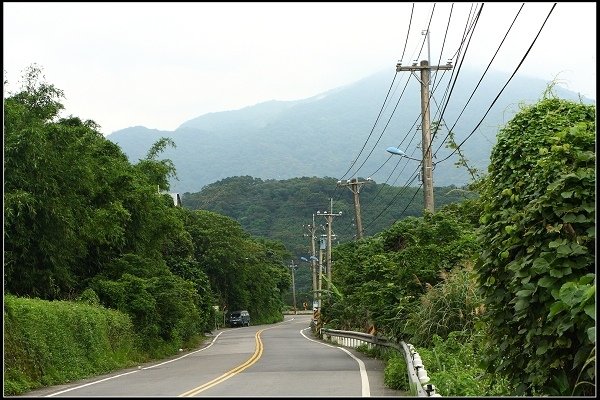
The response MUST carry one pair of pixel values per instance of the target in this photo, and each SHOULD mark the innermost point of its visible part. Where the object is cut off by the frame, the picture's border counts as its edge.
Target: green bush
(537, 268)
(395, 375)
(451, 305)
(49, 343)
(453, 367)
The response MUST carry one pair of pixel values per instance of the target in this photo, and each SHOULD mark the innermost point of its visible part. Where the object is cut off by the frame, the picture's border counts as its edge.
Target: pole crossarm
(415, 67)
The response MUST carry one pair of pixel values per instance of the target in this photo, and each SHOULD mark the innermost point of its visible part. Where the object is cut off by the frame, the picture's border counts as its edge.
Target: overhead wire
(469, 27)
(385, 100)
(384, 128)
(507, 82)
(403, 90)
(393, 111)
(469, 169)
(435, 86)
(383, 131)
(471, 30)
(382, 107)
(393, 200)
(443, 44)
(481, 79)
(453, 85)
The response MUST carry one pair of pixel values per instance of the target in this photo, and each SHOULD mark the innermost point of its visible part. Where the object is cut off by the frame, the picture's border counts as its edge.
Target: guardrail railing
(417, 375)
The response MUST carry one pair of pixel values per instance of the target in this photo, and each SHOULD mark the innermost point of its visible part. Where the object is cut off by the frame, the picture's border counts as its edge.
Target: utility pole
(329, 217)
(322, 246)
(427, 169)
(311, 234)
(293, 268)
(354, 186)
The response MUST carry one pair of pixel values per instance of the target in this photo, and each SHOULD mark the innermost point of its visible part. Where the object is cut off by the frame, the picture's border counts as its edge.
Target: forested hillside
(282, 209)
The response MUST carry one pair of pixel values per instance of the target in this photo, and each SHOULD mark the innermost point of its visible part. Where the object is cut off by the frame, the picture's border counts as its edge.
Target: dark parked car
(239, 318)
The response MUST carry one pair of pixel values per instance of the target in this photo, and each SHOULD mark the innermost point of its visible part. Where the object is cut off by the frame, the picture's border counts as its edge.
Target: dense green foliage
(453, 365)
(383, 277)
(48, 343)
(498, 291)
(245, 273)
(537, 270)
(282, 209)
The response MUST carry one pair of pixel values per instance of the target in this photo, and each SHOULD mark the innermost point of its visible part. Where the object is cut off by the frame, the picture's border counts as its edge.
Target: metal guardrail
(417, 375)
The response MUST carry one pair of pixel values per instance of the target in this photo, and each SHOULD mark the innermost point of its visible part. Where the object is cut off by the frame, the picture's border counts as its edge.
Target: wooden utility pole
(329, 217)
(354, 186)
(427, 169)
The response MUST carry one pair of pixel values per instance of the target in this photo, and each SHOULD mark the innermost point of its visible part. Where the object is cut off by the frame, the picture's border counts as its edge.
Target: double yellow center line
(257, 354)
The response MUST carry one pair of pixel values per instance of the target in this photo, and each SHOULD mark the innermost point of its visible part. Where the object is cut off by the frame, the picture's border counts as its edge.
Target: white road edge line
(364, 379)
(131, 372)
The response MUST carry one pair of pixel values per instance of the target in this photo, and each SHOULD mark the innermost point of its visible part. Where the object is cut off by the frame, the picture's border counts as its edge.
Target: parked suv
(239, 318)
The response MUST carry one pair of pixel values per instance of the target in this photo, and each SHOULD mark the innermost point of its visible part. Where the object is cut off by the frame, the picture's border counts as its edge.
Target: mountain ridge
(321, 135)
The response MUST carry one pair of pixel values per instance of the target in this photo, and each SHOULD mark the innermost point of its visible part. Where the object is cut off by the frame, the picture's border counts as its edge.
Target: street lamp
(426, 174)
(398, 152)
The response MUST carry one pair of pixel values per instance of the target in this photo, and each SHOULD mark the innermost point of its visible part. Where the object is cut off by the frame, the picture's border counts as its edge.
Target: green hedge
(53, 342)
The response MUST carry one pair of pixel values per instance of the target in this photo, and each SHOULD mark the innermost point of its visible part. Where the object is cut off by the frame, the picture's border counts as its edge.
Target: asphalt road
(279, 360)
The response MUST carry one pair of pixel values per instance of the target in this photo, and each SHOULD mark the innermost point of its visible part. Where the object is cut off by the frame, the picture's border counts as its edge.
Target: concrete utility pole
(293, 268)
(427, 171)
(311, 234)
(329, 217)
(322, 246)
(354, 186)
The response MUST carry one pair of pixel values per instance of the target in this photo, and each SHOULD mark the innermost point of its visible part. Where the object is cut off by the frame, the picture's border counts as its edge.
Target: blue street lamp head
(395, 150)
(303, 258)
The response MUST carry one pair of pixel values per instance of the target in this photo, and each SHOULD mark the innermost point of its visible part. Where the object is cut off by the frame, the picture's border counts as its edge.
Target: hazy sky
(161, 64)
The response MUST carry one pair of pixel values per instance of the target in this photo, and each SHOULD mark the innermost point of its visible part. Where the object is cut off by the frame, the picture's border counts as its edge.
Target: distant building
(175, 196)
(176, 199)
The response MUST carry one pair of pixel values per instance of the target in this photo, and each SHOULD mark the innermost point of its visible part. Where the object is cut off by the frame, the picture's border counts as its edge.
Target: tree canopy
(81, 220)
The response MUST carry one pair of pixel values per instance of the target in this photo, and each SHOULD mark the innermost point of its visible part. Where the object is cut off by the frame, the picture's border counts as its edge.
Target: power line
(433, 91)
(504, 87)
(400, 192)
(384, 128)
(483, 75)
(385, 100)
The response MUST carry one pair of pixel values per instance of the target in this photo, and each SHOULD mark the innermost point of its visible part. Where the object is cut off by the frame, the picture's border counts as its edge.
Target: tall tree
(59, 197)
